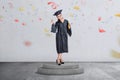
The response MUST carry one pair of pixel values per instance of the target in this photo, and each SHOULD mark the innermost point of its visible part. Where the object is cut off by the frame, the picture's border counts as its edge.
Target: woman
(61, 28)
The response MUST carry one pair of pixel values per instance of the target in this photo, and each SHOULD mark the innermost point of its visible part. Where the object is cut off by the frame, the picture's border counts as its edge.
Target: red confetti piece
(101, 30)
(99, 18)
(53, 5)
(23, 24)
(40, 19)
(16, 20)
(27, 43)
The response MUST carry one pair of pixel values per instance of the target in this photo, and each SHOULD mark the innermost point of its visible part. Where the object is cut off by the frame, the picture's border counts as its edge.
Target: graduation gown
(62, 31)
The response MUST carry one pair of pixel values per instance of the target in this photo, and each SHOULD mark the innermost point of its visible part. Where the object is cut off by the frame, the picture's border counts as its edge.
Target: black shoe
(58, 63)
(61, 62)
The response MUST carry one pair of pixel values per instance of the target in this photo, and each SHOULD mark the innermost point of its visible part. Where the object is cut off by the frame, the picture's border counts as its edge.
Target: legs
(59, 59)
(59, 56)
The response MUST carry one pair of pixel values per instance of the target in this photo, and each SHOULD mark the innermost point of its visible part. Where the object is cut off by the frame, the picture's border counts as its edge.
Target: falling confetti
(46, 30)
(1, 18)
(76, 7)
(23, 24)
(118, 15)
(27, 43)
(101, 30)
(21, 9)
(40, 19)
(16, 20)
(115, 54)
(53, 5)
(48, 34)
(99, 18)
(71, 15)
(33, 8)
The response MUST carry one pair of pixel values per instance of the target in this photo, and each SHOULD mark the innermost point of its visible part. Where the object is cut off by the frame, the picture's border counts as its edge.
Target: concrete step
(63, 66)
(65, 69)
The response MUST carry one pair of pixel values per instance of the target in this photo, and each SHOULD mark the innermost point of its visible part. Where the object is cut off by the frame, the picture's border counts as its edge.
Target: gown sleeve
(69, 30)
(54, 28)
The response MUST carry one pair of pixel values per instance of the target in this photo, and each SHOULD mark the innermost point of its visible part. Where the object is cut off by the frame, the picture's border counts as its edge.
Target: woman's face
(59, 16)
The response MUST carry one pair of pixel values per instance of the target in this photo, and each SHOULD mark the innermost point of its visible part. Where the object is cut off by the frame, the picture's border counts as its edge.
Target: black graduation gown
(62, 31)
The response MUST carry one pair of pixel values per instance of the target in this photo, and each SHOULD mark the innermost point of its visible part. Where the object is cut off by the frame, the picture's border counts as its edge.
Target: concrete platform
(63, 66)
(64, 69)
(27, 71)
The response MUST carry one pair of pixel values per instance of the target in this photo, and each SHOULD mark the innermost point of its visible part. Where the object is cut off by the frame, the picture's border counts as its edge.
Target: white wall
(29, 21)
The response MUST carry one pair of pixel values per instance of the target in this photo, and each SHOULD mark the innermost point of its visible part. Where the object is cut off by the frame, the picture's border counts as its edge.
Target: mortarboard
(57, 12)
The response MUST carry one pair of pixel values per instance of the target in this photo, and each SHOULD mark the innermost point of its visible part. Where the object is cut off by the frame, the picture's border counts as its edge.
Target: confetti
(33, 8)
(40, 19)
(115, 54)
(1, 18)
(48, 34)
(99, 18)
(118, 15)
(46, 30)
(101, 30)
(16, 20)
(27, 43)
(53, 5)
(71, 15)
(76, 7)
(21, 9)
(23, 24)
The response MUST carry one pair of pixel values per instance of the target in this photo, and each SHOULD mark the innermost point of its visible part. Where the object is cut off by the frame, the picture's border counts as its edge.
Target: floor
(27, 71)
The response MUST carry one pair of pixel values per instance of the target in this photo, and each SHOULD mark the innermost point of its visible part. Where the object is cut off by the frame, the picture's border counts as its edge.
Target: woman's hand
(52, 22)
(69, 26)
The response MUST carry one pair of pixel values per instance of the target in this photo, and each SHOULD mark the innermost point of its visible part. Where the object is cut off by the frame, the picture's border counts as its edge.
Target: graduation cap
(57, 12)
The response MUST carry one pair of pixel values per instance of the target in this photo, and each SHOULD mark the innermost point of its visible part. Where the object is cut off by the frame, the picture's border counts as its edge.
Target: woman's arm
(53, 27)
(69, 30)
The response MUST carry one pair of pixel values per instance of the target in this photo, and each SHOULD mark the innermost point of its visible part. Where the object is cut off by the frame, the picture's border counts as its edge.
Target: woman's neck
(62, 20)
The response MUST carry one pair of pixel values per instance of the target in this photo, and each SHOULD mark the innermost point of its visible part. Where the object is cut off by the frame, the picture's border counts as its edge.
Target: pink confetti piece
(40, 19)
(53, 5)
(27, 43)
(99, 18)
(23, 24)
(101, 30)
(16, 20)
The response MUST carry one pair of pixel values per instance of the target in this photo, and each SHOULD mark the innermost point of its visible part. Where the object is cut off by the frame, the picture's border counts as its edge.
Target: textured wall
(25, 30)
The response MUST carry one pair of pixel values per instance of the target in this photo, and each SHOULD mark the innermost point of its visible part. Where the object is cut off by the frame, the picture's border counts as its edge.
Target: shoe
(59, 63)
